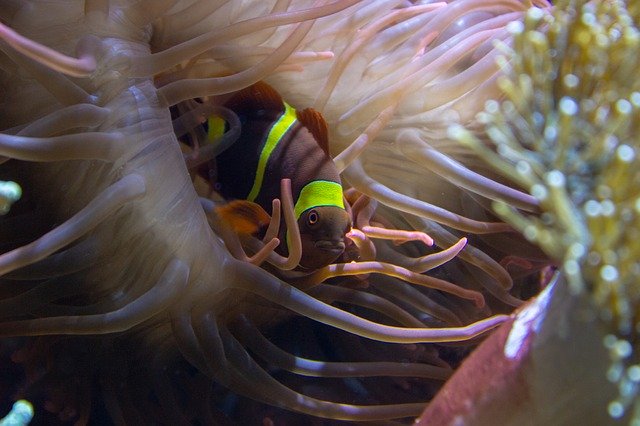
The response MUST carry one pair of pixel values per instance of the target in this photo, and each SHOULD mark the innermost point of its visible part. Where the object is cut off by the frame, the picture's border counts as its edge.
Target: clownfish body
(277, 142)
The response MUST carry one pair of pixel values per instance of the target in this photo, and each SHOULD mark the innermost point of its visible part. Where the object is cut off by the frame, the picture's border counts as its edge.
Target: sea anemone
(108, 255)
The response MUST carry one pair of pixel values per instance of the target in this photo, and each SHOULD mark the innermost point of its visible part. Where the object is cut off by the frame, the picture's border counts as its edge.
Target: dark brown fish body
(277, 142)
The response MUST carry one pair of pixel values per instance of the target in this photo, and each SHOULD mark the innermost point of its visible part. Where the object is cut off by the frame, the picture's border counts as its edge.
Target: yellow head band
(319, 193)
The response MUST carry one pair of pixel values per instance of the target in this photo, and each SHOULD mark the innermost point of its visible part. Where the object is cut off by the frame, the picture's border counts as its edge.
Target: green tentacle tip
(10, 192)
(20, 415)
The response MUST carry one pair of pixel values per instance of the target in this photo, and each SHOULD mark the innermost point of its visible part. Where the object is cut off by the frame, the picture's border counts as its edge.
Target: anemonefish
(278, 142)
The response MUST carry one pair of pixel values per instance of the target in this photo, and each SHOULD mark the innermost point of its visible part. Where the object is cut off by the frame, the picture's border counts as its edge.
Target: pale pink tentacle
(357, 268)
(75, 67)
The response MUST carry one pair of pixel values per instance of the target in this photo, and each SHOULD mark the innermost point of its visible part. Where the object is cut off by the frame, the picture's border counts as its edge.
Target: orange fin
(255, 97)
(317, 126)
(245, 217)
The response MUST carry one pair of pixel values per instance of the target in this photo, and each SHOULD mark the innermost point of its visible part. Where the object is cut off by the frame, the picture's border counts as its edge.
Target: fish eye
(313, 217)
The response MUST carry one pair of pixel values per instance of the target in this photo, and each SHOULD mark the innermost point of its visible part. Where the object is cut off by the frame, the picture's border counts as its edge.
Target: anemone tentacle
(121, 246)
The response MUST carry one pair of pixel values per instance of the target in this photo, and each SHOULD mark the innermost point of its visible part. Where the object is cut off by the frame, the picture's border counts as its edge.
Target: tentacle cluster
(111, 239)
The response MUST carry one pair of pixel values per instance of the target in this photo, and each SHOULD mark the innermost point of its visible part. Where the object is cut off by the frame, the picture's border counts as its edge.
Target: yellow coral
(568, 132)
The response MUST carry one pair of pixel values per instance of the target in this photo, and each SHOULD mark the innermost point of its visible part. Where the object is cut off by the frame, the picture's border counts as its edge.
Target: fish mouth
(335, 247)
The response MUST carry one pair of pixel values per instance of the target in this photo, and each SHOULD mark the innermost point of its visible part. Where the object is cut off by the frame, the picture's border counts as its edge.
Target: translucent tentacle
(330, 293)
(295, 244)
(144, 12)
(363, 36)
(182, 327)
(82, 146)
(357, 147)
(470, 254)
(78, 257)
(285, 397)
(209, 149)
(277, 357)
(162, 294)
(356, 268)
(424, 263)
(409, 296)
(419, 151)
(357, 177)
(104, 205)
(274, 224)
(232, 240)
(439, 60)
(33, 300)
(181, 90)
(366, 249)
(75, 67)
(75, 116)
(59, 85)
(158, 62)
(259, 282)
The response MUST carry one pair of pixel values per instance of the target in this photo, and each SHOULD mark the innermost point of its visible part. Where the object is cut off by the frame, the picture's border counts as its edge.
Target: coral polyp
(567, 131)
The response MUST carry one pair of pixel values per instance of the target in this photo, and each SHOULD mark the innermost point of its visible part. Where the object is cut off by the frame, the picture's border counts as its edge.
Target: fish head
(322, 233)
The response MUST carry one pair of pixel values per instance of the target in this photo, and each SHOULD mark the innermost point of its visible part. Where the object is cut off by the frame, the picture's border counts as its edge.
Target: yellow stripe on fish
(216, 128)
(280, 127)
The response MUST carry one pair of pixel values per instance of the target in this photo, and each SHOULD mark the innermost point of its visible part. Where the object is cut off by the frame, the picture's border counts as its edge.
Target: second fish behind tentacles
(277, 142)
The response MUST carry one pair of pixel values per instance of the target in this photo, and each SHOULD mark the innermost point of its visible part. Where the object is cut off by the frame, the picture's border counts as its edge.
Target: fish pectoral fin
(244, 217)
(317, 126)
